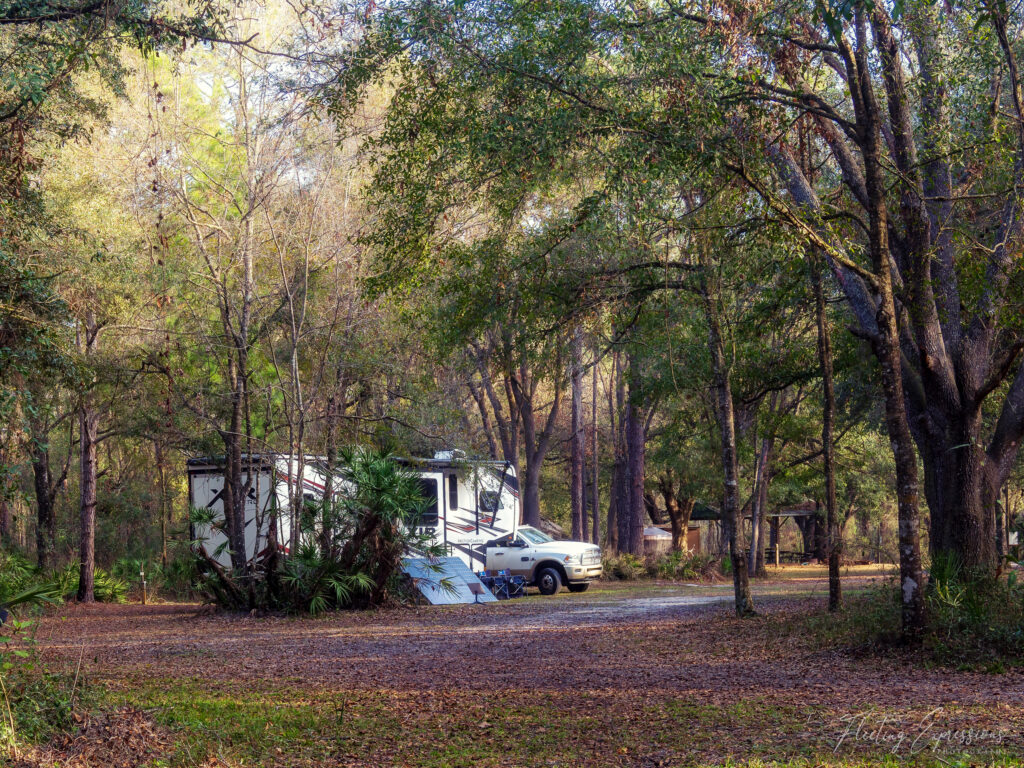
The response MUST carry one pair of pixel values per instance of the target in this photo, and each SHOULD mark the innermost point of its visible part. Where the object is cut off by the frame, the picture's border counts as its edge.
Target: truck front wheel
(579, 587)
(548, 581)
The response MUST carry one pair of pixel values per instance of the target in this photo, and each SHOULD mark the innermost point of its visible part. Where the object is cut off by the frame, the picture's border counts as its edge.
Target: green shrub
(970, 621)
(625, 567)
(670, 565)
(16, 572)
(726, 565)
(106, 588)
(22, 585)
(973, 618)
(869, 620)
(682, 565)
(179, 578)
(126, 569)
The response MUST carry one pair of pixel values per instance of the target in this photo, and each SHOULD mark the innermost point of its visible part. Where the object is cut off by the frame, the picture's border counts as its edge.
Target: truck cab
(544, 562)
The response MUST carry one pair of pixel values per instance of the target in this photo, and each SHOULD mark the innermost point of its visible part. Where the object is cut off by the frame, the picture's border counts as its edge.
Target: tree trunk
(834, 541)
(1001, 526)
(234, 496)
(595, 458)
(725, 413)
(531, 493)
(679, 511)
(45, 514)
(962, 491)
(536, 442)
(330, 459)
(760, 569)
(887, 346)
(613, 504)
(88, 436)
(164, 507)
(758, 501)
(5, 521)
(635, 457)
(577, 481)
(622, 503)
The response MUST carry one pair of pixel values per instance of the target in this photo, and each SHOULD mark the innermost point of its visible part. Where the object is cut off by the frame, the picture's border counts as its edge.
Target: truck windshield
(534, 536)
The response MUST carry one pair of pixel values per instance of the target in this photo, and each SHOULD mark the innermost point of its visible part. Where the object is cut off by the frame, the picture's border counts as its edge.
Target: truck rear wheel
(548, 581)
(579, 587)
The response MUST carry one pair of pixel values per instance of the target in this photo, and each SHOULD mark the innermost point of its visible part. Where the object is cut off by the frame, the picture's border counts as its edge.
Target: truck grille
(593, 557)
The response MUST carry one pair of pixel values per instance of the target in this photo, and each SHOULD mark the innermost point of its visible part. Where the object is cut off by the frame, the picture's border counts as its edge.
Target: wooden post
(775, 523)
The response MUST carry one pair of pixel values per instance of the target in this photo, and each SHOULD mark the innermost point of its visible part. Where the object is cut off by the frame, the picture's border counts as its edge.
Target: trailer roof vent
(449, 455)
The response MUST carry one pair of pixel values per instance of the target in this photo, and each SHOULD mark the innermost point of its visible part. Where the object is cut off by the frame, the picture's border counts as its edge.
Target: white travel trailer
(470, 502)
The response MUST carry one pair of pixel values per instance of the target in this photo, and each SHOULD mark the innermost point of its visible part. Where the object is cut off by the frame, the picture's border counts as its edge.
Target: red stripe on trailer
(308, 482)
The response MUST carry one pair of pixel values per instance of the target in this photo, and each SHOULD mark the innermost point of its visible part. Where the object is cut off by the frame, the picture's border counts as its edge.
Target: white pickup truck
(544, 563)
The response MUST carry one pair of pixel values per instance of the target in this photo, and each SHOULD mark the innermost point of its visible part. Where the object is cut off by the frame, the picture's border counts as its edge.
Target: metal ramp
(427, 575)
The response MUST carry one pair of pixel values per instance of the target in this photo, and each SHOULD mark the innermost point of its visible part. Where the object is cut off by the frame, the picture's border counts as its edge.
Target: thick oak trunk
(962, 489)
(531, 491)
(536, 437)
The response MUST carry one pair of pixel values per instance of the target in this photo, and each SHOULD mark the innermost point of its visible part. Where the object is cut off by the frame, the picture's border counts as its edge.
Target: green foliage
(107, 588)
(314, 583)
(20, 584)
(869, 620)
(15, 572)
(35, 701)
(668, 565)
(176, 580)
(179, 577)
(972, 622)
(683, 565)
(973, 619)
(625, 567)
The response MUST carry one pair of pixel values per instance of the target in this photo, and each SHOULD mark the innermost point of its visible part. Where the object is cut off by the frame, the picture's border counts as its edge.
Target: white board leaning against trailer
(468, 502)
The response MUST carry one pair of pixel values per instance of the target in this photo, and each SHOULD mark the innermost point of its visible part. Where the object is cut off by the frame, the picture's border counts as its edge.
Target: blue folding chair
(500, 588)
(516, 586)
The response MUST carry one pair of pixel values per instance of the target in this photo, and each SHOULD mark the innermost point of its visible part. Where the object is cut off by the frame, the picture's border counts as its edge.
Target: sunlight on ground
(821, 571)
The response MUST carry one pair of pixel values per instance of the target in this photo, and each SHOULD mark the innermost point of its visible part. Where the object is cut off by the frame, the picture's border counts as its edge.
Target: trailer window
(453, 492)
(427, 515)
(490, 501)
